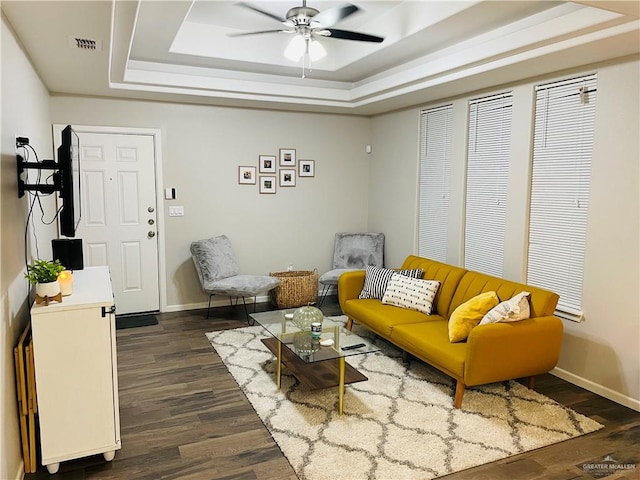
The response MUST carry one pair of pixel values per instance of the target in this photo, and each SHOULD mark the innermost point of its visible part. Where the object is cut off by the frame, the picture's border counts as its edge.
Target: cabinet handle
(112, 309)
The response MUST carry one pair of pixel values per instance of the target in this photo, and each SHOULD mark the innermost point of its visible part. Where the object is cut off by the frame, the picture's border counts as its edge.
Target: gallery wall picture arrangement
(287, 157)
(267, 163)
(271, 169)
(287, 177)
(306, 168)
(246, 175)
(267, 184)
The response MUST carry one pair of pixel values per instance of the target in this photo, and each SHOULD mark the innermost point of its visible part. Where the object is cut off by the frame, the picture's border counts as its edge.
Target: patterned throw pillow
(411, 293)
(512, 310)
(376, 280)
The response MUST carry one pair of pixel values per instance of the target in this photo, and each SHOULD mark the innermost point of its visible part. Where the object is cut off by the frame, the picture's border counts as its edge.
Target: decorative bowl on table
(303, 317)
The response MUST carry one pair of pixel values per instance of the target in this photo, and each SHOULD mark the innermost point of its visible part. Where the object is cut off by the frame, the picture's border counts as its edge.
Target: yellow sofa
(492, 353)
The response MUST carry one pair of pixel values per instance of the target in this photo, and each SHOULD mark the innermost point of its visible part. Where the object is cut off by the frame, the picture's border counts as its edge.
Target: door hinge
(112, 309)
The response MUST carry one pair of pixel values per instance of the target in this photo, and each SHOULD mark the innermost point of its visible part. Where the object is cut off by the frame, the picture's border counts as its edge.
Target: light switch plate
(176, 211)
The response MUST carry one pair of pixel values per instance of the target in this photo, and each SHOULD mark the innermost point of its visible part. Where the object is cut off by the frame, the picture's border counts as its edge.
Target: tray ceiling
(181, 50)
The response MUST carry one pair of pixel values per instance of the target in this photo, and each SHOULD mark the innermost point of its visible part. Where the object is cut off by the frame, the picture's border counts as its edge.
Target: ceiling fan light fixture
(316, 50)
(296, 48)
(300, 46)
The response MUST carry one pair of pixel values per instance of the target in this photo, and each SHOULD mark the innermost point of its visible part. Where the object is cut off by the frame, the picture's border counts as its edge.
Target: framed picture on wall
(306, 168)
(287, 157)
(268, 184)
(267, 163)
(287, 177)
(247, 175)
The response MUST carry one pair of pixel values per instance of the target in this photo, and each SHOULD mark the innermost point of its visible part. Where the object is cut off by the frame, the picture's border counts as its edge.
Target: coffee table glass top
(309, 348)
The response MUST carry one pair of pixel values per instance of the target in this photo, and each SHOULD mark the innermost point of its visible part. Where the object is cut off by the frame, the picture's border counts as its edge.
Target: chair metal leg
(246, 312)
(244, 303)
(209, 305)
(323, 294)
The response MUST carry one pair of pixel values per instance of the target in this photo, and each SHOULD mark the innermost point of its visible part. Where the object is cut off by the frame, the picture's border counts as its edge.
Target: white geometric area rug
(399, 424)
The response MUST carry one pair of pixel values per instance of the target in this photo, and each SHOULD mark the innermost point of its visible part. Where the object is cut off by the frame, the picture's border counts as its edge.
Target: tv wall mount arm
(23, 187)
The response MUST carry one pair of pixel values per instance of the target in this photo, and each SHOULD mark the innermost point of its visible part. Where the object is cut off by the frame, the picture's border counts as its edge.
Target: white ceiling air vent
(82, 43)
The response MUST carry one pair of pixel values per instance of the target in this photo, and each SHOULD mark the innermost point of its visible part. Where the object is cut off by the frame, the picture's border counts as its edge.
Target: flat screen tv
(69, 168)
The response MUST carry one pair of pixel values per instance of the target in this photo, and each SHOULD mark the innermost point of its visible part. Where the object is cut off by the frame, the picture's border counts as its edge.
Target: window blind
(435, 172)
(487, 175)
(562, 152)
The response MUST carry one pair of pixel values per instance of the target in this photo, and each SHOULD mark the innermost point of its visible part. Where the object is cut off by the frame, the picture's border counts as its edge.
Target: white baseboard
(601, 390)
(219, 302)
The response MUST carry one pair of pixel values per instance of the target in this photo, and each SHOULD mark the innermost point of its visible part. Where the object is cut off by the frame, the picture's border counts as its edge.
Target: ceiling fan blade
(259, 32)
(263, 12)
(332, 16)
(348, 35)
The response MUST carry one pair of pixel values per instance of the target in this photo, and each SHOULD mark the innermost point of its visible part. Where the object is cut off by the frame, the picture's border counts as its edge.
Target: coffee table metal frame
(321, 368)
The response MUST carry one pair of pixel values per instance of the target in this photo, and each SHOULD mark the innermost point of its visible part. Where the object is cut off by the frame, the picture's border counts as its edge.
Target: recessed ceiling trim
(503, 46)
(235, 75)
(500, 43)
(619, 31)
(358, 103)
(255, 97)
(187, 79)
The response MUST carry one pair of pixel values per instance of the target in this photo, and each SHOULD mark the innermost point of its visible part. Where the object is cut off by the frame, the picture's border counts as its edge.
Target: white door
(119, 220)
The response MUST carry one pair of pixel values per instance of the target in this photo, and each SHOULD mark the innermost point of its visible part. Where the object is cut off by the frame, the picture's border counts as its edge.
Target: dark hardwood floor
(183, 416)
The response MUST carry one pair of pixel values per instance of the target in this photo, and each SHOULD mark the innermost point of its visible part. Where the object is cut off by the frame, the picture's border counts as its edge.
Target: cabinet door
(75, 382)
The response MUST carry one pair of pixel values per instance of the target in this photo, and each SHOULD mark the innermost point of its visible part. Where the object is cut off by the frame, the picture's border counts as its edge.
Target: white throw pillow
(512, 310)
(412, 293)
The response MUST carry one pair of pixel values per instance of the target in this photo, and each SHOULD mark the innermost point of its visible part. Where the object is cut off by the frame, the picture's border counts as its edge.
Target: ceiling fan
(308, 23)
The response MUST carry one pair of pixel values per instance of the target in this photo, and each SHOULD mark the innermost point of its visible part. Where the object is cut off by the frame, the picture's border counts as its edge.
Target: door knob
(151, 234)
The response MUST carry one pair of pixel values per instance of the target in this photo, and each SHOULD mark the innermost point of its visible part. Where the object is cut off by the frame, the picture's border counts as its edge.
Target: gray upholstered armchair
(352, 251)
(217, 269)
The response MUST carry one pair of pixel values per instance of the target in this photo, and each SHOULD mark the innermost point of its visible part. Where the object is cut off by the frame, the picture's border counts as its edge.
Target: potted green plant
(44, 275)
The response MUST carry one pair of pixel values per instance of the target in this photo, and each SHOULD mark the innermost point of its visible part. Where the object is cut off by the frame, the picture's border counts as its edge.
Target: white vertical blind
(562, 152)
(435, 172)
(487, 172)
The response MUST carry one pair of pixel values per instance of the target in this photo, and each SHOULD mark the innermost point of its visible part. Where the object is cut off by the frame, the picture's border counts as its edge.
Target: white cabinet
(76, 371)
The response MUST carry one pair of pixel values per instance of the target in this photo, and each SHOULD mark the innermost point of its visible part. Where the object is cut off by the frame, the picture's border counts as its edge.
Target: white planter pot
(48, 289)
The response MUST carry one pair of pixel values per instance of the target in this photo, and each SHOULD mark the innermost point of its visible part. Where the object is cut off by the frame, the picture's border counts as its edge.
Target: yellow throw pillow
(469, 314)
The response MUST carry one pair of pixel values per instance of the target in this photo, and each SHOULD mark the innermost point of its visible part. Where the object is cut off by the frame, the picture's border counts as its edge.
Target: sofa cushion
(413, 293)
(377, 278)
(512, 310)
(429, 341)
(469, 314)
(380, 318)
(448, 275)
(542, 302)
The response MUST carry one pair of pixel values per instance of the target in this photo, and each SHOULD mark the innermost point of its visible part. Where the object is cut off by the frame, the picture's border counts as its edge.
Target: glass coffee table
(314, 364)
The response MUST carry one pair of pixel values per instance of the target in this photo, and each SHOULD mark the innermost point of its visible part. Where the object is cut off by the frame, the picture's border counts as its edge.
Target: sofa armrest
(505, 351)
(350, 285)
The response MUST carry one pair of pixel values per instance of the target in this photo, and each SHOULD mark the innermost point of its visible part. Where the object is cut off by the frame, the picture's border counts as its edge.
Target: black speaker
(69, 252)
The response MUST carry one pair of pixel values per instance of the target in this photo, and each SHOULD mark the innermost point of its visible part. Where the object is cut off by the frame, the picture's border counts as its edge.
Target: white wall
(602, 353)
(202, 147)
(393, 196)
(25, 112)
